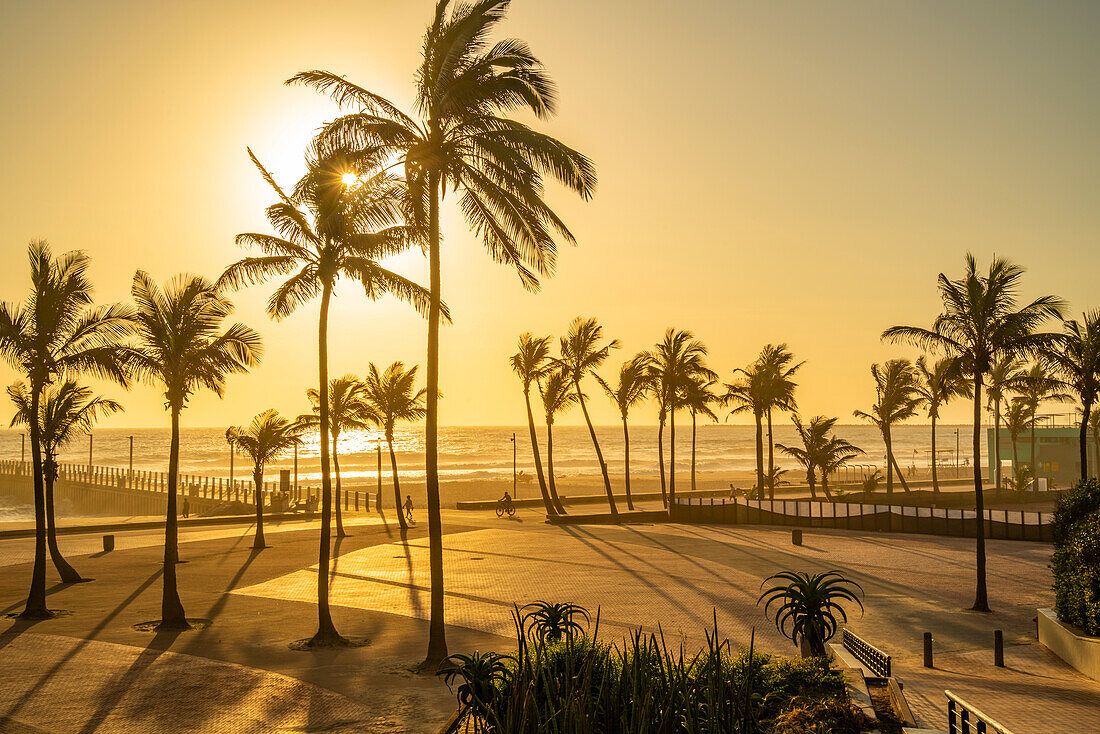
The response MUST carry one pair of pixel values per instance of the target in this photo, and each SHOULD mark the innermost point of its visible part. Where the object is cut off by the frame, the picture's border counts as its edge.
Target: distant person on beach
(408, 507)
(186, 507)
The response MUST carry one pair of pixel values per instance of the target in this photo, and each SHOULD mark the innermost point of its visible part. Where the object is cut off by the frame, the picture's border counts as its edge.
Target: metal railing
(876, 660)
(962, 718)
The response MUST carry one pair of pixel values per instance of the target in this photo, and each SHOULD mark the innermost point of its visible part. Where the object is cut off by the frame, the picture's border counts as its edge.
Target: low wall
(1069, 643)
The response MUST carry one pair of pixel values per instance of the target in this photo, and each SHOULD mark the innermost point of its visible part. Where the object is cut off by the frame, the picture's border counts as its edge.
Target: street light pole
(956, 453)
(23, 448)
(295, 468)
(131, 462)
(514, 492)
(89, 450)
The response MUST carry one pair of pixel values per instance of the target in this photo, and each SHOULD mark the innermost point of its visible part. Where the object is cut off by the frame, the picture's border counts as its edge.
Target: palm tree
(465, 141)
(268, 437)
(836, 453)
(981, 324)
(1075, 361)
(697, 396)
(531, 364)
(1003, 375)
(820, 451)
(1094, 428)
(1037, 385)
(179, 346)
(1018, 419)
(632, 387)
(345, 412)
(779, 392)
(582, 355)
(329, 231)
(67, 411)
(936, 386)
(896, 400)
(57, 333)
(391, 396)
(677, 359)
(810, 611)
(749, 393)
(557, 397)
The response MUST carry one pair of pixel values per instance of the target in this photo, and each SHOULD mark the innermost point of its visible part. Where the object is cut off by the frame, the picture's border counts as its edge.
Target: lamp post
(956, 453)
(295, 468)
(23, 448)
(89, 451)
(131, 462)
(514, 492)
(378, 503)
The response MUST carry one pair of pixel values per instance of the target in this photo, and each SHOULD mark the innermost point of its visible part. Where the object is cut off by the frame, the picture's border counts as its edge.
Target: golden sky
(769, 171)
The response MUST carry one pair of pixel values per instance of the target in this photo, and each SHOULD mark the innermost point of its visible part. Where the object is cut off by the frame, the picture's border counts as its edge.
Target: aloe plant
(809, 606)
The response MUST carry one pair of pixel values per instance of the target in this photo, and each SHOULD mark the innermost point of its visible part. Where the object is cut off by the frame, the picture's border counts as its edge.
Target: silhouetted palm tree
(1018, 419)
(779, 392)
(67, 411)
(697, 396)
(179, 346)
(1035, 386)
(981, 324)
(1003, 376)
(582, 355)
(1075, 361)
(345, 413)
(1094, 428)
(531, 363)
(557, 397)
(749, 393)
(56, 333)
(896, 400)
(633, 385)
(391, 397)
(268, 437)
(330, 231)
(677, 359)
(463, 140)
(936, 386)
(820, 451)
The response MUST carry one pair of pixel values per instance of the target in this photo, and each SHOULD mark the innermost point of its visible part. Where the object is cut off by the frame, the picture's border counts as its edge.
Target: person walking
(408, 507)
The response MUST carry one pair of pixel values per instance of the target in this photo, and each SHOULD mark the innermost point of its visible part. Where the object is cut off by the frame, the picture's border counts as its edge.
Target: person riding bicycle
(505, 506)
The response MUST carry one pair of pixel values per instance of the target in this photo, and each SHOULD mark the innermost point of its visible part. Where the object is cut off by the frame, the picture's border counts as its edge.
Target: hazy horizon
(775, 172)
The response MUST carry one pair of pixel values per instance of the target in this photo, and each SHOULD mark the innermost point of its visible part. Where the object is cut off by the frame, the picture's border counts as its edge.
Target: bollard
(796, 537)
(928, 650)
(108, 543)
(999, 648)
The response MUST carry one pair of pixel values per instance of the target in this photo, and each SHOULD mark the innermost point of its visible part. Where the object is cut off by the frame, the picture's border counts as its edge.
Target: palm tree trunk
(67, 573)
(1096, 443)
(437, 633)
(889, 460)
(935, 475)
(1084, 438)
(326, 635)
(997, 443)
(36, 599)
(901, 474)
(626, 457)
(396, 484)
(825, 484)
(760, 459)
(550, 461)
(339, 490)
(812, 481)
(693, 451)
(172, 616)
(672, 456)
(981, 598)
(661, 459)
(599, 454)
(546, 501)
(1034, 469)
(258, 479)
(771, 453)
(1015, 461)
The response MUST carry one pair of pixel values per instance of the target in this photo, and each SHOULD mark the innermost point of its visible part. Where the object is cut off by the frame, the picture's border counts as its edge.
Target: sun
(349, 179)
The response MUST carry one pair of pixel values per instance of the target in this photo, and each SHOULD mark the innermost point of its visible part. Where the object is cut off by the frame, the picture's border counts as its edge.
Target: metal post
(23, 448)
(89, 451)
(231, 452)
(131, 480)
(378, 447)
(514, 492)
(999, 648)
(295, 466)
(928, 650)
(956, 453)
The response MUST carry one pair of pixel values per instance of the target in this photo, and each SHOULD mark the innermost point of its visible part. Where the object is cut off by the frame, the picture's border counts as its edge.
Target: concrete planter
(1071, 644)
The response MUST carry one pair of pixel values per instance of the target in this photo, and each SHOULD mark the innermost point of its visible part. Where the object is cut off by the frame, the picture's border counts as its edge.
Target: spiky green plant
(808, 606)
(553, 621)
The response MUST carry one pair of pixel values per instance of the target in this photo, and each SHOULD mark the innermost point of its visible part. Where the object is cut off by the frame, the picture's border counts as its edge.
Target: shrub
(1076, 560)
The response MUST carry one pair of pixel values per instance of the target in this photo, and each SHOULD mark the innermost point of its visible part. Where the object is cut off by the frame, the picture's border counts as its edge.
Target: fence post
(999, 648)
(928, 650)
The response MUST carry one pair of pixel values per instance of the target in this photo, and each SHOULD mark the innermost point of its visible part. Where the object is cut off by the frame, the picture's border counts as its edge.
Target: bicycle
(505, 507)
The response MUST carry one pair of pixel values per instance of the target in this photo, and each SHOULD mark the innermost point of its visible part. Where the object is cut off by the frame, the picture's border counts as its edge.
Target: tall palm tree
(264, 440)
(56, 333)
(531, 363)
(1018, 419)
(1094, 428)
(777, 360)
(1075, 362)
(936, 386)
(557, 397)
(582, 355)
(67, 411)
(677, 359)
(820, 450)
(391, 396)
(1035, 386)
(329, 230)
(464, 140)
(345, 413)
(896, 401)
(631, 388)
(749, 393)
(179, 345)
(697, 396)
(1002, 377)
(981, 323)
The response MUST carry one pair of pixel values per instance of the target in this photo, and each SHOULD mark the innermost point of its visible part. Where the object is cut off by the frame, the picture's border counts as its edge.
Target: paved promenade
(637, 575)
